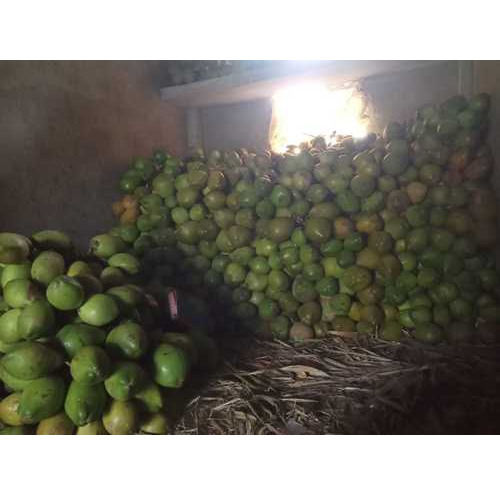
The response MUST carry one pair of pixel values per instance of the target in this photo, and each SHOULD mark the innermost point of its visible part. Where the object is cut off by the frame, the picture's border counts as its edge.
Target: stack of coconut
(388, 236)
(81, 348)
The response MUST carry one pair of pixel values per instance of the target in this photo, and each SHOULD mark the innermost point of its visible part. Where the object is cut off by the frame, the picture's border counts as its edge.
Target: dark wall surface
(241, 125)
(68, 129)
(397, 96)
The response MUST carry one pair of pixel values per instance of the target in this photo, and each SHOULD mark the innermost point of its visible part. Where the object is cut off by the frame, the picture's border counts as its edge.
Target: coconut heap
(82, 348)
(388, 235)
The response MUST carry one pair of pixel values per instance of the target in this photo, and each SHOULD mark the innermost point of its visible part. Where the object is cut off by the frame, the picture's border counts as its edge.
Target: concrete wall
(67, 132)
(238, 125)
(397, 96)
(392, 97)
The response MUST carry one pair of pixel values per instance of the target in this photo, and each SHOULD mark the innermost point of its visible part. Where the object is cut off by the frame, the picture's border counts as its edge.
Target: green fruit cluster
(80, 351)
(383, 234)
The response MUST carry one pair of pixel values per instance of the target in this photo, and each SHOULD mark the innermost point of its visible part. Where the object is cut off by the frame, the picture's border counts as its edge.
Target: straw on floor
(348, 386)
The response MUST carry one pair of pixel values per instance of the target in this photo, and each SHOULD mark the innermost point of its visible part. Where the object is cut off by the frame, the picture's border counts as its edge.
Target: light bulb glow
(303, 111)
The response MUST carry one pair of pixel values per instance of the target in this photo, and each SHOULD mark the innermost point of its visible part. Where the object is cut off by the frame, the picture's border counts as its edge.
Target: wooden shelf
(262, 84)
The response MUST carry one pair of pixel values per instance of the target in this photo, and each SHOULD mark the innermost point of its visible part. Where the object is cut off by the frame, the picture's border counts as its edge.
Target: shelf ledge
(261, 84)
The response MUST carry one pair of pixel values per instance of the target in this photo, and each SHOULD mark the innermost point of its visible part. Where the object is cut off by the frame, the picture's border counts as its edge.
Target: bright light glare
(304, 111)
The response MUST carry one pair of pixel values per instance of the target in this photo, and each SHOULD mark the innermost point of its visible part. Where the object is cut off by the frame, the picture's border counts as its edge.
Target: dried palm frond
(348, 386)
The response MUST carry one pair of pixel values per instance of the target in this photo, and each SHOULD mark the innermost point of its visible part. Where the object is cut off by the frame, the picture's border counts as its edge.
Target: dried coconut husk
(348, 385)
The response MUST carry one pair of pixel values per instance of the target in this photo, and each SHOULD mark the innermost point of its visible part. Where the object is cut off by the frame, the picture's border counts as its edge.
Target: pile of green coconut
(82, 348)
(387, 236)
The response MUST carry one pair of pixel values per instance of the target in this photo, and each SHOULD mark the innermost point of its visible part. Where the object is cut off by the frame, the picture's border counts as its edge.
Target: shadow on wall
(67, 132)
(396, 96)
(233, 126)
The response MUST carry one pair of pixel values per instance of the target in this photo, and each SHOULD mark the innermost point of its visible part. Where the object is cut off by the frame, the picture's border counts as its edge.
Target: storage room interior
(68, 128)
(71, 130)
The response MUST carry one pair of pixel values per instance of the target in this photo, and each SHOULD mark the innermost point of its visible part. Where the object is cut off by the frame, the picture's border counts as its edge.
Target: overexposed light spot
(303, 111)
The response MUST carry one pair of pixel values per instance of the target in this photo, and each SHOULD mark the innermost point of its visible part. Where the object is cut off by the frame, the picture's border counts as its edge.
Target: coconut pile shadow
(346, 384)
